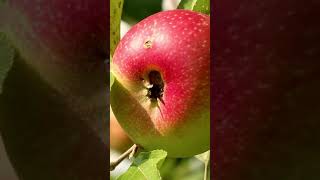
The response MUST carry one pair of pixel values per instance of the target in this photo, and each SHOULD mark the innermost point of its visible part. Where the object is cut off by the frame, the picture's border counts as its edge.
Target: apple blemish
(147, 44)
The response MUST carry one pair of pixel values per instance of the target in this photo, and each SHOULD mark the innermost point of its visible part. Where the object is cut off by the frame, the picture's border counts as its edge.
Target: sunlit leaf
(202, 6)
(146, 166)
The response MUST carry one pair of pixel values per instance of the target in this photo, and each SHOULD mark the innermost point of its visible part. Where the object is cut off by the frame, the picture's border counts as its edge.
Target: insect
(155, 87)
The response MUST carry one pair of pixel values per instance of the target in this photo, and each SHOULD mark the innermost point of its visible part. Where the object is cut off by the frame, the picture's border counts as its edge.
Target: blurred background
(6, 170)
(54, 97)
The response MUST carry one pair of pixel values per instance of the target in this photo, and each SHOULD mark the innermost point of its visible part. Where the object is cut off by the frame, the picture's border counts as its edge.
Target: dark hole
(156, 91)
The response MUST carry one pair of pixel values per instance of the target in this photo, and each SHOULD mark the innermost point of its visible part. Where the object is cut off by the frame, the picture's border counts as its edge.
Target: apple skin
(266, 85)
(66, 42)
(76, 30)
(175, 44)
(119, 140)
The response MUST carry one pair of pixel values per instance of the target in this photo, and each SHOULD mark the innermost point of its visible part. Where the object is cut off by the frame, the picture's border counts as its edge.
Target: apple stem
(129, 153)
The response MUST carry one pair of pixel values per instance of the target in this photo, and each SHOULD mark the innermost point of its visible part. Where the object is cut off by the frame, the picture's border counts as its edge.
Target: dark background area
(6, 170)
(266, 84)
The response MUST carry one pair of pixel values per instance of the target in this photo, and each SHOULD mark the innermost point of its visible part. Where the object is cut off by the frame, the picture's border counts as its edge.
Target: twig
(206, 169)
(130, 152)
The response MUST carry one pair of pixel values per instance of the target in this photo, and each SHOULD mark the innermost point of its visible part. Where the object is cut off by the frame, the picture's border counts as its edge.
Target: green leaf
(146, 166)
(185, 169)
(115, 18)
(6, 58)
(202, 6)
(111, 80)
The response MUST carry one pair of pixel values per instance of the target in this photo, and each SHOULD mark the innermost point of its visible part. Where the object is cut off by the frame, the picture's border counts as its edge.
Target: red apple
(266, 71)
(74, 29)
(161, 96)
(65, 41)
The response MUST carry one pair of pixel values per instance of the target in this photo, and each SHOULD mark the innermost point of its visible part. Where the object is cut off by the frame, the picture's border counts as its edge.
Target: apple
(66, 42)
(266, 85)
(73, 29)
(161, 96)
(119, 140)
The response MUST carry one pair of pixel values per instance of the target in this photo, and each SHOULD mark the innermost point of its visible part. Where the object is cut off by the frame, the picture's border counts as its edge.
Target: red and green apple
(161, 96)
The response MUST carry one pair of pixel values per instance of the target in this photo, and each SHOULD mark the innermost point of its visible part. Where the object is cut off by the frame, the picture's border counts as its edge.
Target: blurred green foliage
(136, 10)
(182, 169)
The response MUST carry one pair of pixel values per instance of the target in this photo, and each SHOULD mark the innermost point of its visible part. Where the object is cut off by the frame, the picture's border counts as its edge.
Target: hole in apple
(155, 91)
(147, 44)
